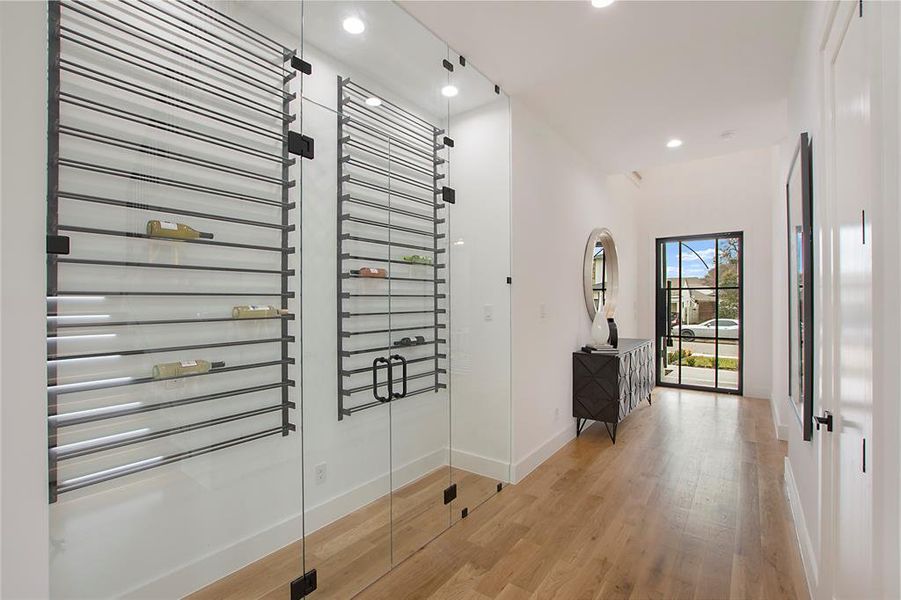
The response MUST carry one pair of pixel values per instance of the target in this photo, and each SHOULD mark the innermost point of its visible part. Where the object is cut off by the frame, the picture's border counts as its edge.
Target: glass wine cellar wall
(278, 305)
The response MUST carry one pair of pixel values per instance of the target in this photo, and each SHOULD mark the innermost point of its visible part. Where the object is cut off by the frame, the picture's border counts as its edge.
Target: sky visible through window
(693, 263)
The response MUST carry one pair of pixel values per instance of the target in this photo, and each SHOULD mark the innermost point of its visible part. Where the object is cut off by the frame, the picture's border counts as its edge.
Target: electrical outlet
(488, 311)
(542, 310)
(321, 473)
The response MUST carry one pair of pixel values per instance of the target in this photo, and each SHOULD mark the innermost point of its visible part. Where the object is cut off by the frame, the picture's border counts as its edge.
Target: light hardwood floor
(689, 503)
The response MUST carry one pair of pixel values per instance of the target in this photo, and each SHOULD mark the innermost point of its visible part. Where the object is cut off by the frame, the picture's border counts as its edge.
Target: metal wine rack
(165, 111)
(390, 205)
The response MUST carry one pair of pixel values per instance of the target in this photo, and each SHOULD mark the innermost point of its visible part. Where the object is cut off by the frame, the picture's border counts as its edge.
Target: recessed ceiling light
(602, 3)
(373, 101)
(354, 25)
(674, 143)
(449, 91)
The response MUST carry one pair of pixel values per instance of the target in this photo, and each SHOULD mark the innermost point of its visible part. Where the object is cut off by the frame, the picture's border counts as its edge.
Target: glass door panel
(380, 73)
(173, 356)
(478, 227)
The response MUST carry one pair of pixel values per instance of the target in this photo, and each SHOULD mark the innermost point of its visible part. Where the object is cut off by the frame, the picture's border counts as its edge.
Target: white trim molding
(808, 556)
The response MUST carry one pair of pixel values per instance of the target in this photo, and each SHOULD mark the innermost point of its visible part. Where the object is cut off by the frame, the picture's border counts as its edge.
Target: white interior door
(853, 374)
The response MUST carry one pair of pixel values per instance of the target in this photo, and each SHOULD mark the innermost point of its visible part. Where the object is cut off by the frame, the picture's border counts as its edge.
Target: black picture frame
(799, 254)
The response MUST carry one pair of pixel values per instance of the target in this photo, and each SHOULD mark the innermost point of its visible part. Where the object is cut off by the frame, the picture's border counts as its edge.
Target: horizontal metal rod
(410, 361)
(382, 120)
(386, 313)
(411, 230)
(354, 86)
(171, 155)
(133, 117)
(199, 241)
(56, 357)
(380, 153)
(184, 79)
(363, 388)
(270, 64)
(75, 483)
(148, 265)
(349, 295)
(356, 238)
(391, 278)
(171, 211)
(180, 51)
(354, 124)
(165, 181)
(169, 321)
(167, 99)
(92, 415)
(223, 294)
(103, 384)
(394, 261)
(391, 175)
(87, 449)
(392, 329)
(238, 27)
(347, 353)
(391, 209)
(393, 193)
(349, 411)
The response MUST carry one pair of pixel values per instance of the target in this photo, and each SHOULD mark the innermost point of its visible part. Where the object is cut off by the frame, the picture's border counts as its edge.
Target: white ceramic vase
(600, 329)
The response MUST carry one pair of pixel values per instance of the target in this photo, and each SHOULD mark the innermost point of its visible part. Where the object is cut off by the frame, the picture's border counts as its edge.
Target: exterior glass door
(699, 312)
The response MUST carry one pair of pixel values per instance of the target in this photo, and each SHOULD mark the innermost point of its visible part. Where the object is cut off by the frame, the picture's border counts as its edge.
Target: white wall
(732, 192)
(558, 198)
(23, 418)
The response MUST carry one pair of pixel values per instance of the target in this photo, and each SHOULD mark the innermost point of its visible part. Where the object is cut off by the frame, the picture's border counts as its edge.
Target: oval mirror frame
(605, 238)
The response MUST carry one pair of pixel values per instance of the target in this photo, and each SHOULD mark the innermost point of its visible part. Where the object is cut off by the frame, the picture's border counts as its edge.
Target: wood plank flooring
(689, 503)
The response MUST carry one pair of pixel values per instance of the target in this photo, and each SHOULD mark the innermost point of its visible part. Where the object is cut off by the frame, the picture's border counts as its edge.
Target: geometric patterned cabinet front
(607, 386)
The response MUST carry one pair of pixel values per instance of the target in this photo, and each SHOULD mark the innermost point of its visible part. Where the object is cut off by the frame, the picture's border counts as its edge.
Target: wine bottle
(417, 260)
(255, 311)
(178, 231)
(370, 272)
(185, 367)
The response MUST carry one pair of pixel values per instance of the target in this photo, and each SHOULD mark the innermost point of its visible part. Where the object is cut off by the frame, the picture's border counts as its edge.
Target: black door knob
(826, 420)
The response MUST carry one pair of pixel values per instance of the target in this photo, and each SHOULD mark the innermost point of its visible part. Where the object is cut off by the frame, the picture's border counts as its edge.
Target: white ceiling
(618, 82)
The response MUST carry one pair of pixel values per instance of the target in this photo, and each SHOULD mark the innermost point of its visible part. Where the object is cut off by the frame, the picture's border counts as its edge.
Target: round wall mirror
(600, 276)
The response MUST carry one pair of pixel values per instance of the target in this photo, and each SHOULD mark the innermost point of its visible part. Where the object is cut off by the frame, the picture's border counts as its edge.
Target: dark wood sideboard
(609, 384)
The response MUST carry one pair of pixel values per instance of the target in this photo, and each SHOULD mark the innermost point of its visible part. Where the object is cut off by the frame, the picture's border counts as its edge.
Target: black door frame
(660, 317)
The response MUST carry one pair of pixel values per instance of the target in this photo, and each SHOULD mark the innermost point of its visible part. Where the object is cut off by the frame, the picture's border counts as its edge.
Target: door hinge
(301, 65)
(449, 195)
(864, 462)
(57, 244)
(860, 7)
(863, 227)
(301, 144)
(510, 280)
(497, 89)
(303, 586)
(448, 65)
(462, 61)
(448, 141)
(450, 493)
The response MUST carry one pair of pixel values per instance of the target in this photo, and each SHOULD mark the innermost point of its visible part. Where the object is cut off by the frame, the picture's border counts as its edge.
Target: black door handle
(375, 379)
(403, 362)
(826, 420)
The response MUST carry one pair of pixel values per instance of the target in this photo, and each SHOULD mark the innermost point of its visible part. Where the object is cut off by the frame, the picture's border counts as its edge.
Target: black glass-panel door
(699, 312)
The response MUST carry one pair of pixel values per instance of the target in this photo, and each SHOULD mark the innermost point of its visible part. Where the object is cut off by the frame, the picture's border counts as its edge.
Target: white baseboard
(781, 428)
(808, 557)
(481, 465)
(218, 564)
(543, 452)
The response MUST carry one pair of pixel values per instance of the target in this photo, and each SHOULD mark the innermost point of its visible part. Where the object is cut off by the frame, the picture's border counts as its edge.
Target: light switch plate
(488, 312)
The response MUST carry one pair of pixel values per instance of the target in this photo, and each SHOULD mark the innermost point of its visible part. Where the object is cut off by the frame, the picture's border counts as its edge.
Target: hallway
(690, 503)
